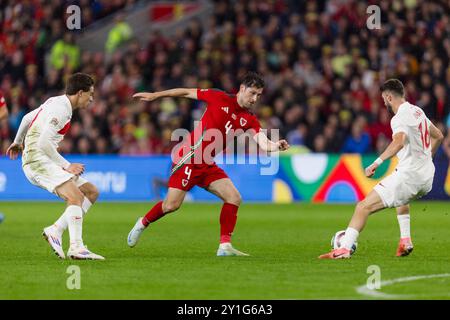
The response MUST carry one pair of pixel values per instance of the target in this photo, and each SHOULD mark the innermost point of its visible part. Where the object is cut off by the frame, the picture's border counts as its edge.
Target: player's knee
(92, 193)
(365, 207)
(235, 198)
(171, 206)
(75, 198)
(402, 210)
(361, 206)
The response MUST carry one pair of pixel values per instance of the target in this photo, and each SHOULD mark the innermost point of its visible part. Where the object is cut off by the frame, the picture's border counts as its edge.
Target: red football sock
(228, 217)
(154, 214)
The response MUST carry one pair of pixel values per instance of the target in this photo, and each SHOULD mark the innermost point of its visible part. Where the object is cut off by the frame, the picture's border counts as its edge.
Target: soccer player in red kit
(193, 162)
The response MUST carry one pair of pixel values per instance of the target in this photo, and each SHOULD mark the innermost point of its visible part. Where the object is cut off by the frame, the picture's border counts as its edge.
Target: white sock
(74, 216)
(350, 237)
(86, 205)
(405, 227)
(61, 224)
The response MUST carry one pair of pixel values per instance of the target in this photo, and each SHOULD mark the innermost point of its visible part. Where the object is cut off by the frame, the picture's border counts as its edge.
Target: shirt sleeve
(209, 95)
(397, 126)
(24, 125)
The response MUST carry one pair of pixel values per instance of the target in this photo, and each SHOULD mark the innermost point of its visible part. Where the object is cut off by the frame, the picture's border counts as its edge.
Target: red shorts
(190, 175)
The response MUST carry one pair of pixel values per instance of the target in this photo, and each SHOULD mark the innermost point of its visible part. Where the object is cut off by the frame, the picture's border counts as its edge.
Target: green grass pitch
(175, 258)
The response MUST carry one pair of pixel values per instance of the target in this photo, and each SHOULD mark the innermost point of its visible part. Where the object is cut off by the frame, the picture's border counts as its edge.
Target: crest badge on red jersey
(243, 122)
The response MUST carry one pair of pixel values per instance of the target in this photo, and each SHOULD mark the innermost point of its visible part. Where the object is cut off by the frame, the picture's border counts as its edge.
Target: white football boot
(135, 233)
(226, 250)
(82, 253)
(54, 239)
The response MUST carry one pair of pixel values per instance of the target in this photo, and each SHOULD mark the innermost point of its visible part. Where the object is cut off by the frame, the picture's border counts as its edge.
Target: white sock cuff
(73, 210)
(86, 205)
(351, 235)
(402, 217)
(352, 231)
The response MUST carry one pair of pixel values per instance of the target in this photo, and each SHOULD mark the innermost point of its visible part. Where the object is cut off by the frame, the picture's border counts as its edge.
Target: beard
(389, 108)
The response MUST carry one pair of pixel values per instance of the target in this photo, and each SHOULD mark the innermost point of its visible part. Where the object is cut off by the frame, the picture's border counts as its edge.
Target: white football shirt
(50, 122)
(415, 157)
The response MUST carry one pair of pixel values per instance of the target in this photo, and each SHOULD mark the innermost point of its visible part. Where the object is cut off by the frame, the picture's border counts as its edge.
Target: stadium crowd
(322, 67)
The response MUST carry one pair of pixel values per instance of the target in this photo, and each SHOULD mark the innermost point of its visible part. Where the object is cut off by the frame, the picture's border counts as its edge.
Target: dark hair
(79, 81)
(253, 79)
(393, 85)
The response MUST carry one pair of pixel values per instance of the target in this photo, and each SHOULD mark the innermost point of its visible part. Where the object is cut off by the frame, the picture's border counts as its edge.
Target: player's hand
(370, 170)
(76, 169)
(146, 96)
(283, 145)
(14, 150)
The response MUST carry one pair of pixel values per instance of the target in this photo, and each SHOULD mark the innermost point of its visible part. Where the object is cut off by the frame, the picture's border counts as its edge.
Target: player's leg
(90, 193)
(225, 190)
(171, 203)
(74, 217)
(405, 246)
(371, 204)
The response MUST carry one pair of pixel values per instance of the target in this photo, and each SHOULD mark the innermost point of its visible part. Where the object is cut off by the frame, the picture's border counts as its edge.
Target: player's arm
(270, 146)
(398, 142)
(436, 138)
(45, 144)
(16, 147)
(174, 93)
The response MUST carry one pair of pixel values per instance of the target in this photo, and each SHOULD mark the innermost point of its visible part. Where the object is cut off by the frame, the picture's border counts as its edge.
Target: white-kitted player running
(414, 140)
(43, 129)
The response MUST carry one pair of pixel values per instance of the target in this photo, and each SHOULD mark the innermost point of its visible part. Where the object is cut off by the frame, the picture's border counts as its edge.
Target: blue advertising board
(127, 178)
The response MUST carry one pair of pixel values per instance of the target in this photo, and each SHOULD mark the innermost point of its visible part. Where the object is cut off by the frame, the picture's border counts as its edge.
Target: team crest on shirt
(54, 122)
(243, 122)
(184, 182)
(225, 109)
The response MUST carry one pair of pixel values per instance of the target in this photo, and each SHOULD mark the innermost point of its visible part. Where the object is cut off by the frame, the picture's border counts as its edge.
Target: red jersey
(222, 120)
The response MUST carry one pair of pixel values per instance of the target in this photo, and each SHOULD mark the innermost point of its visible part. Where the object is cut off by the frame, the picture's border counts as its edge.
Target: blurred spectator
(322, 68)
(358, 141)
(65, 53)
(120, 33)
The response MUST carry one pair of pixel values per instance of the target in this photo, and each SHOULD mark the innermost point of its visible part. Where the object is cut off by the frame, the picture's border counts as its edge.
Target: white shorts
(397, 189)
(49, 176)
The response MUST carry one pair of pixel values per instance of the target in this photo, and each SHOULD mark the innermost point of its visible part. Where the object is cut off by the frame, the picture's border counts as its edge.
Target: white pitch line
(364, 290)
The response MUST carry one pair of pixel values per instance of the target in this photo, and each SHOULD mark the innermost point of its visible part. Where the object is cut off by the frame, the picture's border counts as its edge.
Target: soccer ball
(336, 241)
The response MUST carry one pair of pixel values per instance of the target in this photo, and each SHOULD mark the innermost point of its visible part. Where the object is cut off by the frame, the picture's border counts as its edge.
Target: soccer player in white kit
(414, 140)
(43, 129)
